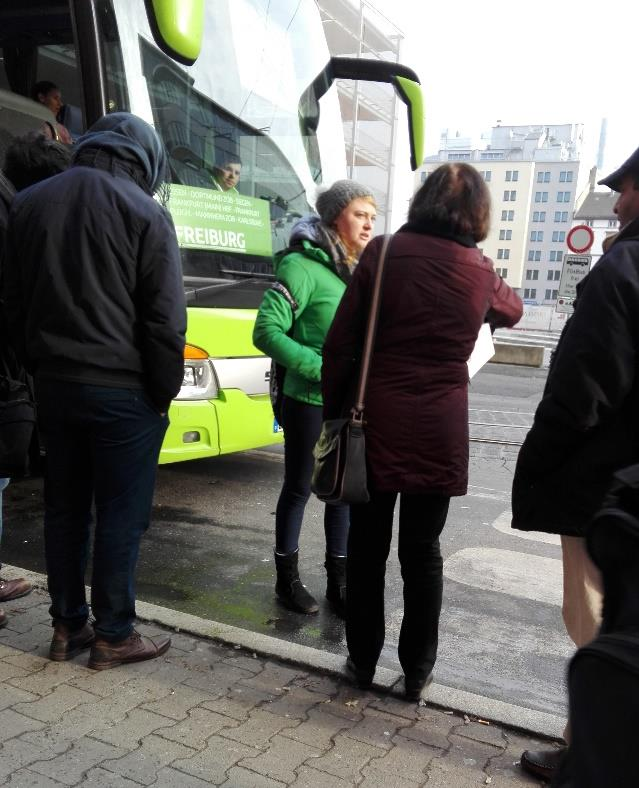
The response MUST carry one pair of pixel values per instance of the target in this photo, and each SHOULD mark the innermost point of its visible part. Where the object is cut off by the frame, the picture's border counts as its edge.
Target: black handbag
(339, 474)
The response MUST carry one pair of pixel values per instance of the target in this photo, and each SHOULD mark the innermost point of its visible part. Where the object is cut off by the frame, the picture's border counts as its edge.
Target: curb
(519, 718)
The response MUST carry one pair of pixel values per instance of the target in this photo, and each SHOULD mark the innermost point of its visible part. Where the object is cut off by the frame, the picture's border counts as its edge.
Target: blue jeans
(102, 447)
(302, 425)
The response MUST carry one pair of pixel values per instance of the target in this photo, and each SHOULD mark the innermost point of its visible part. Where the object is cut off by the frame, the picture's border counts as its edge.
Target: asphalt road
(209, 552)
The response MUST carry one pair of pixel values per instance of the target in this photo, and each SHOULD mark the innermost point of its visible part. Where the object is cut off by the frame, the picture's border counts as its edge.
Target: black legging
(302, 424)
(421, 520)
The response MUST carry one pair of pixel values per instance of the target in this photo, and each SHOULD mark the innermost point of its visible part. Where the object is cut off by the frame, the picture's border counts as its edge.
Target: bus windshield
(239, 169)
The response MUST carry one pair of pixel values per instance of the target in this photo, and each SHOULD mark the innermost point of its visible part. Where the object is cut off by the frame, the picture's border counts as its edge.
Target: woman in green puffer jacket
(292, 323)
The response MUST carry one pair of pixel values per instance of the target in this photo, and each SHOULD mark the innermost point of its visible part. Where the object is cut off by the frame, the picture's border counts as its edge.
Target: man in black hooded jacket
(587, 424)
(95, 305)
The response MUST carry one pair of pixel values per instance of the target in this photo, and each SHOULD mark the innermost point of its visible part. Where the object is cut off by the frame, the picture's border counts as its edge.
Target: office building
(532, 173)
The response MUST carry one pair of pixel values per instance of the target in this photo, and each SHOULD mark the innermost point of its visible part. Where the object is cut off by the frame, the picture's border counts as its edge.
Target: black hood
(127, 137)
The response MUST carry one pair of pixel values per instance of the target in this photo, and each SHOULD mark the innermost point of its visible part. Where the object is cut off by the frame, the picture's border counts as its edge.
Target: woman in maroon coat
(438, 289)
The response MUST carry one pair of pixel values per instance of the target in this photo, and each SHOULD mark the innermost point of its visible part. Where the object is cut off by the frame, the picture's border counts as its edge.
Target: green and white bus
(233, 87)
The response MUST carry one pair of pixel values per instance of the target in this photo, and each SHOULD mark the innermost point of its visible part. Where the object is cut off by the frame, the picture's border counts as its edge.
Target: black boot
(289, 587)
(336, 583)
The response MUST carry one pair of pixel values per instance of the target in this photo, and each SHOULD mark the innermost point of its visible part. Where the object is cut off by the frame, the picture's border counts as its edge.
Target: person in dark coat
(437, 292)
(586, 426)
(95, 304)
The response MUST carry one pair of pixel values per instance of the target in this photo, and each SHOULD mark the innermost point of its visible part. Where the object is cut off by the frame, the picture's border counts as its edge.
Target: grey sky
(552, 61)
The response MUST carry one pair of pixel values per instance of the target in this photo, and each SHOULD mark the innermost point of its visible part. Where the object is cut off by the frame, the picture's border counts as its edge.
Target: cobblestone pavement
(207, 714)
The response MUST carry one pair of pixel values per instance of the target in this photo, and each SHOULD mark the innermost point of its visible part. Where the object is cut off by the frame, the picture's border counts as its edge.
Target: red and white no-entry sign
(580, 238)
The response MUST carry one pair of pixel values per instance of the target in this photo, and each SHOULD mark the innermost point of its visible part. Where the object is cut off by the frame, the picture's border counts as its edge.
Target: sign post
(575, 268)
(576, 265)
(580, 238)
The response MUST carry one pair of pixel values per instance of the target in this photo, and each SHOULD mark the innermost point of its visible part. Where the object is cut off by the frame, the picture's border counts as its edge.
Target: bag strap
(357, 411)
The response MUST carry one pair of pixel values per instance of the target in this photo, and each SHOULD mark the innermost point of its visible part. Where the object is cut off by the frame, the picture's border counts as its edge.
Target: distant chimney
(602, 143)
(592, 179)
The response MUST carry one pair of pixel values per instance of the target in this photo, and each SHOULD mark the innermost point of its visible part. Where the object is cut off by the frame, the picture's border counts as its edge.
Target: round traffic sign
(580, 238)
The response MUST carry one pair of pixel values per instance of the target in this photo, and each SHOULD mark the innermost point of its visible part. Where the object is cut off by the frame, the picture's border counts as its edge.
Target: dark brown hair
(453, 197)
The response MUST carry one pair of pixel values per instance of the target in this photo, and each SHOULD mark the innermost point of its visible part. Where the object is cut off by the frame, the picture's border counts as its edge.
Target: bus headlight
(199, 381)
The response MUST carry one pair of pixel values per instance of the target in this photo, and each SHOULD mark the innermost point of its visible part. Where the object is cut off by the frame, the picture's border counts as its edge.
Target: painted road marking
(502, 523)
(507, 572)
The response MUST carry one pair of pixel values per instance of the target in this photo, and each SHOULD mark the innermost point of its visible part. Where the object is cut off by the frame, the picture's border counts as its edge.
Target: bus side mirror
(403, 79)
(177, 27)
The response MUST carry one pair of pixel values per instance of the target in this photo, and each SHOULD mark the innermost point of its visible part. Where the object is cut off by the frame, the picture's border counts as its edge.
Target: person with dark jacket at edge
(95, 303)
(29, 159)
(438, 290)
(586, 426)
(291, 325)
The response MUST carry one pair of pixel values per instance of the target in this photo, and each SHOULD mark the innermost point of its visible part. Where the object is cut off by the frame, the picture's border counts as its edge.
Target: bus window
(37, 44)
(221, 167)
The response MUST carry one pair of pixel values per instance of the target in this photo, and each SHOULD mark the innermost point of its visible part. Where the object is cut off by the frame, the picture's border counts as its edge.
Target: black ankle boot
(289, 588)
(336, 583)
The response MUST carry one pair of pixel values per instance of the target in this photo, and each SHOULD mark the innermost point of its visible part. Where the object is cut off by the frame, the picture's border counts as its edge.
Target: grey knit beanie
(331, 202)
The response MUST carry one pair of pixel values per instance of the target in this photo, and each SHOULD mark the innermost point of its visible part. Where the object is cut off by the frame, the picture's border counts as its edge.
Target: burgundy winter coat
(435, 296)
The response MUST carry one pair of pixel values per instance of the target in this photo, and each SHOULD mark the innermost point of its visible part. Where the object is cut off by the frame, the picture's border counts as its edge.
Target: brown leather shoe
(135, 648)
(3, 619)
(67, 643)
(14, 589)
(543, 763)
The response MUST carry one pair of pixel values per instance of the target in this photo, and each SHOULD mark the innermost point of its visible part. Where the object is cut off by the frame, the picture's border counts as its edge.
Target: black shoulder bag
(339, 475)
(278, 371)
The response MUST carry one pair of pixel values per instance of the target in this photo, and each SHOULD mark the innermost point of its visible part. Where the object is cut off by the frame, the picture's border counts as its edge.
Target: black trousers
(421, 520)
(302, 426)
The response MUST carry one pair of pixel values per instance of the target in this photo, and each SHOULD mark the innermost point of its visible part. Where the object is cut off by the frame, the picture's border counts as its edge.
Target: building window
(548, 295)
(539, 216)
(543, 176)
(556, 256)
(458, 156)
(537, 235)
(486, 175)
(530, 293)
(507, 216)
(559, 236)
(532, 273)
(550, 276)
(562, 216)
(424, 175)
(510, 196)
(557, 276)
(512, 175)
(505, 235)
(612, 222)
(503, 254)
(503, 272)
(563, 196)
(541, 196)
(565, 176)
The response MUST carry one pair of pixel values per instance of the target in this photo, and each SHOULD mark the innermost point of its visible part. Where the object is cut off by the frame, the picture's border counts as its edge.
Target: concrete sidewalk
(213, 714)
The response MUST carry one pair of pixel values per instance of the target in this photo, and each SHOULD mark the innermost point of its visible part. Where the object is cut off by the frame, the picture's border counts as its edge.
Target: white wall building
(595, 209)
(532, 173)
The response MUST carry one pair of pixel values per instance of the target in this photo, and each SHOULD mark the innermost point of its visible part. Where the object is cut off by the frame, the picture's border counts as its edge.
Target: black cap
(629, 167)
